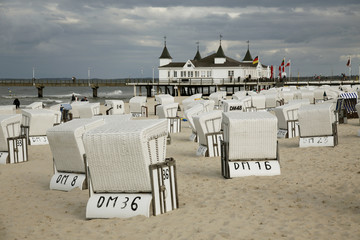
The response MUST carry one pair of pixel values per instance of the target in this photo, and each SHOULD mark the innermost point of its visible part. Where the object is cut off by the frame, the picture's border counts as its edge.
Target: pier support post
(94, 89)
(40, 91)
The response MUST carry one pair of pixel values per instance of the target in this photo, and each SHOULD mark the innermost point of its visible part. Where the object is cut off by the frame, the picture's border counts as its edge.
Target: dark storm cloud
(118, 38)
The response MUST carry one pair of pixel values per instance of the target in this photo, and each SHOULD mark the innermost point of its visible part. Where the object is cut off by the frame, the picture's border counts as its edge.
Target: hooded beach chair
(208, 128)
(138, 106)
(13, 145)
(217, 97)
(317, 125)
(75, 108)
(34, 105)
(67, 148)
(349, 102)
(287, 116)
(190, 99)
(250, 144)
(128, 170)
(170, 112)
(35, 123)
(189, 114)
(114, 107)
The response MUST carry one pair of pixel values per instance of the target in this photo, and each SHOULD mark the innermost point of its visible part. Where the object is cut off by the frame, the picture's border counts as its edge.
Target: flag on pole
(256, 60)
(288, 64)
(283, 62)
(348, 62)
(272, 72)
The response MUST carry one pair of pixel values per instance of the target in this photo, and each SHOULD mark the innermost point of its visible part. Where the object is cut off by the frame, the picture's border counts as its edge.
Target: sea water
(55, 95)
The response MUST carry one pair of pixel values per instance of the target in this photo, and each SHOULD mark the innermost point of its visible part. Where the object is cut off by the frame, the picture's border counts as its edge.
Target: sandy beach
(317, 196)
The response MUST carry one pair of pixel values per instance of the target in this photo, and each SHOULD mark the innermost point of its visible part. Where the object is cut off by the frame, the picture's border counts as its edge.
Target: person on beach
(84, 99)
(73, 98)
(16, 103)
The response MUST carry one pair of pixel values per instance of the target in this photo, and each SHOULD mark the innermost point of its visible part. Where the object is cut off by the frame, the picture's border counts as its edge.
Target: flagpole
(350, 69)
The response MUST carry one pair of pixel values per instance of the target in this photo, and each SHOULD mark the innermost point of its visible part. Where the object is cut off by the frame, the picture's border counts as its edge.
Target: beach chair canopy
(119, 155)
(316, 120)
(88, 110)
(288, 111)
(115, 106)
(34, 105)
(350, 100)
(168, 110)
(164, 99)
(9, 127)
(250, 135)
(75, 108)
(190, 113)
(136, 103)
(207, 122)
(39, 120)
(66, 143)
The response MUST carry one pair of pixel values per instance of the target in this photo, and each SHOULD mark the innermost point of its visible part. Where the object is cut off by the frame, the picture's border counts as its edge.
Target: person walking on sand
(73, 98)
(16, 103)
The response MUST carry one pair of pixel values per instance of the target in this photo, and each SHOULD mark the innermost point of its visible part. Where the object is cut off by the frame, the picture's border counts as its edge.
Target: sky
(124, 39)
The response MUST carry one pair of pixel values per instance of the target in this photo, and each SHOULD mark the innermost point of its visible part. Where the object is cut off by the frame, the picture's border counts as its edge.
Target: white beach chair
(250, 144)
(191, 99)
(258, 101)
(308, 94)
(114, 107)
(35, 123)
(162, 99)
(34, 105)
(271, 101)
(88, 110)
(357, 107)
(138, 106)
(114, 118)
(217, 97)
(127, 167)
(208, 128)
(67, 147)
(208, 105)
(189, 114)
(75, 108)
(317, 125)
(170, 112)
(7, 109)
(287, 115)
(13, 146)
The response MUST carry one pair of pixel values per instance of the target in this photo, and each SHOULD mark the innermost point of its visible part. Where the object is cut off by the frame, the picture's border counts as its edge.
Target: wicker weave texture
(168, 110)
(164, 99)
(9, 127)
(38, 120)
(136, 103)
(208, 122)
(75, 108)
(190, 113)
(316, 120)
(67, 146)
(287, 112)
(258, 101)
(251, 135)
(119, 155)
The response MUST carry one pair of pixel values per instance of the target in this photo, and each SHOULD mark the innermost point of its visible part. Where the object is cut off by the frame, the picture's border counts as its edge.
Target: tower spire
(220, 39)
(165, 41)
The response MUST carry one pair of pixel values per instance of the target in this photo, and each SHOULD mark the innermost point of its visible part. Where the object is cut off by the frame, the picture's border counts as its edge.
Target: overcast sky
(63, 38)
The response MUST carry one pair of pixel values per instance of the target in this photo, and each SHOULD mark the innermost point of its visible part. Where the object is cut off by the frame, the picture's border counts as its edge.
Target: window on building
(190, 73)
(202, 73)
(189, 65)
(231, 73)
(196, 74)
(175, 73)
(208, 74)
(168, 73)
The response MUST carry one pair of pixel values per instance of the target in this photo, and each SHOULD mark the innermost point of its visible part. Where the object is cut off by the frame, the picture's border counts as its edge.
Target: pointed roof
(197, 56)
(165, 53)
(248, 57)
(220, 53)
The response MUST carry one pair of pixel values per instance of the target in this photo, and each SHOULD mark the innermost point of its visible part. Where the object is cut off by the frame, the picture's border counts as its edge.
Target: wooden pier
(175, 88)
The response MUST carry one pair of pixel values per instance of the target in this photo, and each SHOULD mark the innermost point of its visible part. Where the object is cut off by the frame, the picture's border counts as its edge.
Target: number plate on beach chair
(254, 168)
(67, 181)
(38, 140)
(164, 187)
(324, 141)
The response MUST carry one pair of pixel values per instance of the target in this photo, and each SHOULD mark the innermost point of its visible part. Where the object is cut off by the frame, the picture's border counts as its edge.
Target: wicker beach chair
(13, 146)
(317, 125)
(207, 104)
(67, 147)
(208, 128)
(138, 106)
(121, 158)
(89, 110)
(250, 144)
(217, 97)
(7, 109)
(191, 99)
(232, 105)
(114, 107)
(189, 114)
(34, 105)
(170, 112)
(258, 101)
(287, 116)
(75, 108)
(35, 123)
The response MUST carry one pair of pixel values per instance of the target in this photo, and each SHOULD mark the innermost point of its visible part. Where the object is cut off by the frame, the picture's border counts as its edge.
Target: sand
(317, 196)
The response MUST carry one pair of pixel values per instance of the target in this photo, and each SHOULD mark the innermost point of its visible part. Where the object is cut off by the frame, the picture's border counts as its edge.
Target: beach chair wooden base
(162, 199)
(213, 147)
(174, 124)
(250, 167)
(320, 141)
(65, 181)
(17, 151)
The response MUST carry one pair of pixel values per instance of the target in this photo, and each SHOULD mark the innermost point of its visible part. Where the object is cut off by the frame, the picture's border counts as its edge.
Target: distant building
(216, 68)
